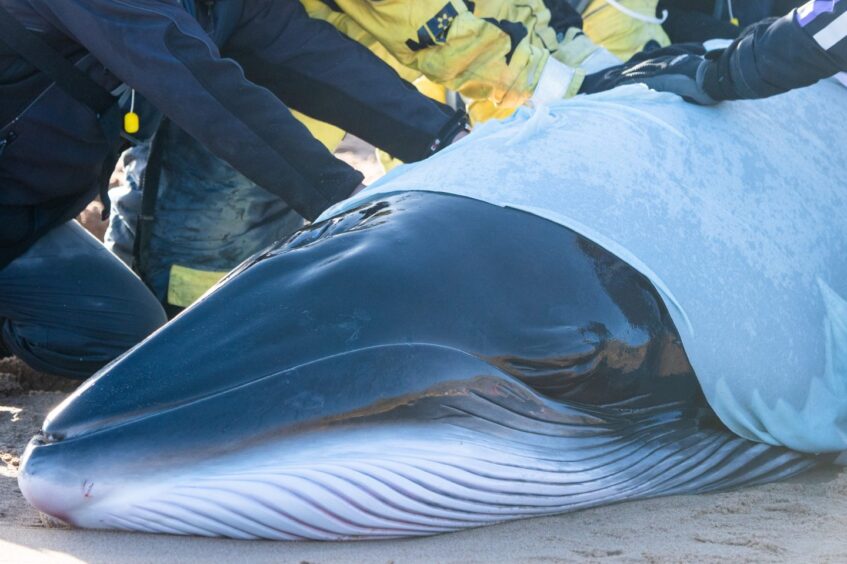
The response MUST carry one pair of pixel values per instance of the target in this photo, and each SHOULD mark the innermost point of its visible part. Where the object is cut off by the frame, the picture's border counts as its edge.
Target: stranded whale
(422, 362)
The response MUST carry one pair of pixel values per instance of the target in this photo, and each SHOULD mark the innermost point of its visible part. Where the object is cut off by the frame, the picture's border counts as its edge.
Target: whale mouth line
(46, 438)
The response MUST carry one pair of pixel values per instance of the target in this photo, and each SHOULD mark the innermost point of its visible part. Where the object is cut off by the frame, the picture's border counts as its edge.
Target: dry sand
(801, 520)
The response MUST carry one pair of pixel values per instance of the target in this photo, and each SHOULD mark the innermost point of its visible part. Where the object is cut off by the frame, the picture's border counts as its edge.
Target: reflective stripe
(187, 284)
(833, 33)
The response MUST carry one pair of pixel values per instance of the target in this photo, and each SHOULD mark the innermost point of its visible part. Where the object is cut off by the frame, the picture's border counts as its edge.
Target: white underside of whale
(736, 213)
(497, 454)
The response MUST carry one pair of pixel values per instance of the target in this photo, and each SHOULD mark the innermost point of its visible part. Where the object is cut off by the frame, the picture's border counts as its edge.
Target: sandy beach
(801, 520)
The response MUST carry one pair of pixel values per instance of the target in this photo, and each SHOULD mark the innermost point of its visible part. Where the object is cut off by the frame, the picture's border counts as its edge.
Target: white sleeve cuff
(599, 60)
(555, 80)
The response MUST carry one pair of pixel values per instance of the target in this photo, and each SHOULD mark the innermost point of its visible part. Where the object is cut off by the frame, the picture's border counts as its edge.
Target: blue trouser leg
(68, 306)
(209, 217)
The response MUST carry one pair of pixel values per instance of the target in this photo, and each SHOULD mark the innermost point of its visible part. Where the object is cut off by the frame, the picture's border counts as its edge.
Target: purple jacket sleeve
(160, 50)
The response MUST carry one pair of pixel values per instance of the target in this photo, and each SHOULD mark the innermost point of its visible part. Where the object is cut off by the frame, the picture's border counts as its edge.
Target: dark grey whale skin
(442, 314)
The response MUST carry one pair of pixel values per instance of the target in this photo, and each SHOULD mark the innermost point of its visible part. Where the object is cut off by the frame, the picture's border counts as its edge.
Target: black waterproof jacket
(774, 56)
(232, 99)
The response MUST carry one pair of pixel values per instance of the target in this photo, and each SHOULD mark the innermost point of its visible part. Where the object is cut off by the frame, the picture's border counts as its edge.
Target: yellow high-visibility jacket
(493, 54)
(624, 27)
(490, 51)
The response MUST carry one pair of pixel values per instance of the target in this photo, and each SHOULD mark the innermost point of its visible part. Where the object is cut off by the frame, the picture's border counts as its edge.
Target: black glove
(679, 69)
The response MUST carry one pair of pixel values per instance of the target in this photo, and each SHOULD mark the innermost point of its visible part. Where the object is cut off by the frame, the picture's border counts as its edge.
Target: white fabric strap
(553, 84)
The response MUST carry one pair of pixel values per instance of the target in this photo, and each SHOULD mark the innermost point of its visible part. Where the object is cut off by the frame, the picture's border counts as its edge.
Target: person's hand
(678, 69)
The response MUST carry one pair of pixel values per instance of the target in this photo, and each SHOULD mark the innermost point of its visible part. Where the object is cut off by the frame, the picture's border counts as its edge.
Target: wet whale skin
(422, 363)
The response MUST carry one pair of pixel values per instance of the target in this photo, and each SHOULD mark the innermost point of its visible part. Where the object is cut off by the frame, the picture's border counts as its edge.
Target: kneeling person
(223, 72)
(499, 54)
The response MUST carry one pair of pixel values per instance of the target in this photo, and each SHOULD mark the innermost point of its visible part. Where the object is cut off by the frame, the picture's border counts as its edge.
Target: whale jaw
(471, 447)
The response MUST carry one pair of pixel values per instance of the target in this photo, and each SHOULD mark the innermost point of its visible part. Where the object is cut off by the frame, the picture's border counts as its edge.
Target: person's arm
(501, 56)
(316, 70)
(775, 56)
(160, 50)
(768, 58)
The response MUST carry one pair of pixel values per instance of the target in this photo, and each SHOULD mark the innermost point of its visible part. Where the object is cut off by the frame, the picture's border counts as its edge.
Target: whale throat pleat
(472, 459)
